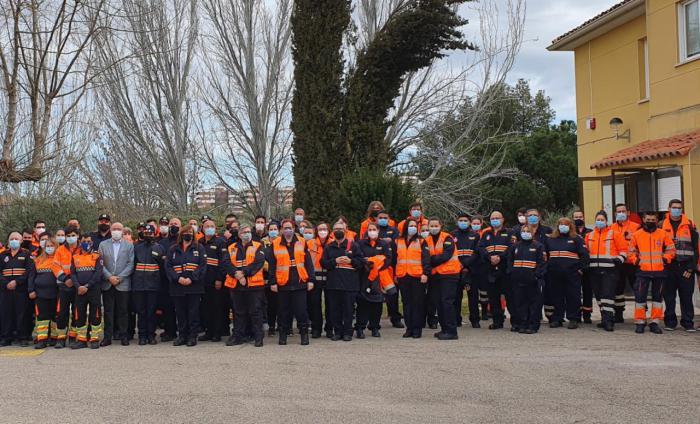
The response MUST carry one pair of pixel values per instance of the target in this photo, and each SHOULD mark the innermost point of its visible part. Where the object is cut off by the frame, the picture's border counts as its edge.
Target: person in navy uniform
(526, 269)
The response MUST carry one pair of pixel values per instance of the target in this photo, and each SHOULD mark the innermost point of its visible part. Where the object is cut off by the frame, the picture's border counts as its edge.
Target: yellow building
(638, 105)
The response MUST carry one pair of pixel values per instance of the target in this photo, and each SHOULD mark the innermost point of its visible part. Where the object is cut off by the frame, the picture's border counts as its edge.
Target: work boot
(514, 329)
(283, 338)
(315, 334)
(166, 338)
(529, 331)
(438, 334)
(572, 325)
(476, 324)
(94, 345)
(654, 328)
(234, 341)
(347, 338)
(495, 326)
(359, 333)
(78, 345)
(105, 342)
(397, 323)
(336, 337)
(143, 341)
(125, 341)
(407, 334)
(152, 341)
(375, 333)
(205, 337)
(192, 342)
(609, 326)
(639, 328)
(555, 324)
(619, 318)
(445, 336)
(259, 342)
(417, 334)
(5, 343)
(180, 341)
(432, 326)
(216, 339)
(40, 345)
(60, 344)
(587, 319)
(304, 338)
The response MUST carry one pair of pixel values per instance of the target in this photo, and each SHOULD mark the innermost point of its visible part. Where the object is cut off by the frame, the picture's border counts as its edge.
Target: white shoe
(669, 328)
(691, 330)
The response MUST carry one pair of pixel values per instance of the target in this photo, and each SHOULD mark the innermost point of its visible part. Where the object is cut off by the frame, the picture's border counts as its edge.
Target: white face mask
(323, 234)
(259, 227)
(72, 240)
(42, 243)
(195, 228)
(40, 231)
(425, 234)
(164, 229)
(522, 220)
(117, 235)
(373, 234)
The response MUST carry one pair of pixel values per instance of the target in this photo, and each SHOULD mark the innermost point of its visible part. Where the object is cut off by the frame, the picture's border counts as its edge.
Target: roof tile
(592, 20)
(679, 145)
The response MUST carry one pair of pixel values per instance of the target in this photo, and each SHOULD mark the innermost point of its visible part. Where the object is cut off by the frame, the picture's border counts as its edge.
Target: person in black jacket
(86, 273)
(15, 263)
(586, 286)
(291, 275)
(149, 260)
(186, 266)
(165, 302)
(493, 250)
(216, 298)
(567, 258)
(526, 269)
(389, 234)
(343, 259)
(467, 241)
(370, 298)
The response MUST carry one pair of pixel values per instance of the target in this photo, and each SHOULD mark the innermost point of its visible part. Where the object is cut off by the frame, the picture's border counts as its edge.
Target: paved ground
(557, 376)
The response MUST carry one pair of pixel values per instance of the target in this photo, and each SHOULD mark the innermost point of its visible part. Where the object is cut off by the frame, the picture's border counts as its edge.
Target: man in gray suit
(118, 265)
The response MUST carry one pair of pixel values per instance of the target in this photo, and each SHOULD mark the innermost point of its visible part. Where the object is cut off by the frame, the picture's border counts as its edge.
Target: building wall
(608, 84)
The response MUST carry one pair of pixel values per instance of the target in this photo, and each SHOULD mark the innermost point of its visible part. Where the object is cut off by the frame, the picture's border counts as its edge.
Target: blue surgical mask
(476, 227)
(676, 212)
(496, 223)
(526, 236)
(209, 231)
(14, 244)
(308, 236)
(462, 225)
(621, 217)
(298, 218)
(72, 240)
(564, 229)
(50, 250)
(85, 246)
(273, 233)
(416, 214)
(412, 231)
(425, 234)
(61, 239)
(383, 222)
(601, 224)
(533, 219)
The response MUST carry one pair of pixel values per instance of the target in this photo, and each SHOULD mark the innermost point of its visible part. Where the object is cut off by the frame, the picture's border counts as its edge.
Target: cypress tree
(320, 151)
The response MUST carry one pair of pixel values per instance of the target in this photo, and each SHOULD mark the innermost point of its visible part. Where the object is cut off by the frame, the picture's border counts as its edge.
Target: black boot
(192, 342)
(283, 338)
(316, 334)
(619, 319)
(654, 328)
(304, 337)
(259, 341)
(78, 345)
(375, 333)
(359, 333)
(180, 341)
(143, 341)
(234, 341)
(639, 328)
(587, 319)
(40, 345)
(572, 325)
(60, 344)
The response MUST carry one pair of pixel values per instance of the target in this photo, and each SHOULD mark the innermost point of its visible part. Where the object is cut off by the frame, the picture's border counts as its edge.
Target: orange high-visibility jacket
(408, 258)
(64, 257)
(452, 266)
(315, 247)
(423, 221)
(284, 262)
(365, 223)
(626, 229)
(650, 251)
(683, 239)
(254, 280)
(606, 246)
(386, 281)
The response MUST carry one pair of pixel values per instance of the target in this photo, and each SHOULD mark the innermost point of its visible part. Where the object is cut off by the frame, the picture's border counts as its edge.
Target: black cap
(164, 220)
(206, 218)
(104, 216)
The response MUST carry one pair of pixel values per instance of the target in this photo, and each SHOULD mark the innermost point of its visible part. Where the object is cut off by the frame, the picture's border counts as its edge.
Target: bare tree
(46, 52)
(248, 91)
(146, 98)
(461, 153)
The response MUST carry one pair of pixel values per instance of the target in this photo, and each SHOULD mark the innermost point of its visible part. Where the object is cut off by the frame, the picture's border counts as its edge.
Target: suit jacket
(123, 267)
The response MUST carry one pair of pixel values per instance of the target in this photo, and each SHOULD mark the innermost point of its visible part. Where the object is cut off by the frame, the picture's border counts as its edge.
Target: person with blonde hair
(44, 277)
(568, 258)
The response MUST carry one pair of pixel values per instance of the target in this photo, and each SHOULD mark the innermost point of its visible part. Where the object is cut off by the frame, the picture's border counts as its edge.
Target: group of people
(203, 281)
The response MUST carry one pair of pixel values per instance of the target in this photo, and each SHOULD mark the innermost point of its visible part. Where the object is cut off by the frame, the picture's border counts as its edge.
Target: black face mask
(579, 222)
(26, 244)
(174, 230)
(339, 235)
(103, 227)
(234, 233)
(187, 237)
(374, 214)
(149, 239)
(650, 226)
(140, 234)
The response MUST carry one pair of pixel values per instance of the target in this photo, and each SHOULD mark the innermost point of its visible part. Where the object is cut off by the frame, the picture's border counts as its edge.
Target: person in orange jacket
(415, 211)
(680, 279)
(444, 278)
(651, 251)
(373, 210)
(627, 227)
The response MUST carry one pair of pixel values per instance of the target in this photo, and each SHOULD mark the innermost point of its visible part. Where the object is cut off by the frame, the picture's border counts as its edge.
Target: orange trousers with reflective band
(642, 288)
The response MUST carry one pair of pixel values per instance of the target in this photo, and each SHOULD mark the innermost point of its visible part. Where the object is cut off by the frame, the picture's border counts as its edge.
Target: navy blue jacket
(190, 263)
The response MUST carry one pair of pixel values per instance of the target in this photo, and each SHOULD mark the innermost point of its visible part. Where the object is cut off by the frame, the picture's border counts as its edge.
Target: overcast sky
(554, 71)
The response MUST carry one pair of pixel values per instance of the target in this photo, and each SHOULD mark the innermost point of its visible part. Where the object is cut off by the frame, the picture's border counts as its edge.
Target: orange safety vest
(605, 246)
(650, 250)
(423, 221)
(626, 230)
(452, 266)
(316, 251)
(284, 262)
(386, 282)
(685, 251)
(409, 258)
(254, 280)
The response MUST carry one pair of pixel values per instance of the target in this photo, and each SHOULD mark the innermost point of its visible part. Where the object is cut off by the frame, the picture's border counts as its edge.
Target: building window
(643, 55)
(689, 29)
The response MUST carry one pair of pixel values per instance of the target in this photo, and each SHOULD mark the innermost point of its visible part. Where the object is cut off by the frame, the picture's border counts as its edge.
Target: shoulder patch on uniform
(212, 246)
(570, 241)
(154, 253)
(380, 248)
